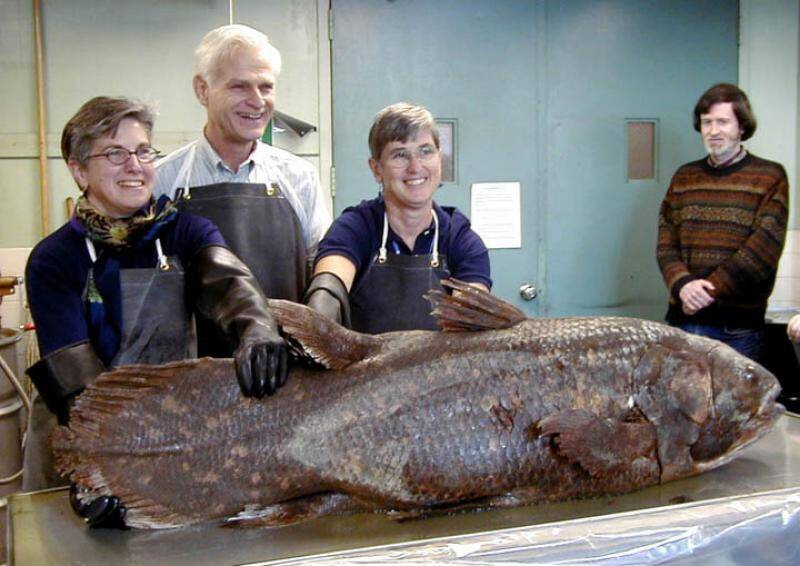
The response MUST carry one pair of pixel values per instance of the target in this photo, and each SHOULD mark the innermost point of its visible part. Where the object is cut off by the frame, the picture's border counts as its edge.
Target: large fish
(525, 410)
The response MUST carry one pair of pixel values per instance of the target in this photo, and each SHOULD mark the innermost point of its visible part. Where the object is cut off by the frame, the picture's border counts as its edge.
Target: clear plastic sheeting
(745, 512)
(759, 529)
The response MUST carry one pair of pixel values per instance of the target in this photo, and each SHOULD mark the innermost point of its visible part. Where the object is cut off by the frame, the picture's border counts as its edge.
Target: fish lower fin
(325, 341)
(469, 309)
(600, 446)
(295, 510)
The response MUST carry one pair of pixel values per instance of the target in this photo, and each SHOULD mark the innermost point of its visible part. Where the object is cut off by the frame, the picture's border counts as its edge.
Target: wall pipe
(44, 193)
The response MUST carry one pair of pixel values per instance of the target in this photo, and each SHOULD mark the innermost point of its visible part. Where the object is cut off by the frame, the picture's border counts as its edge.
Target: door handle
(528, 292)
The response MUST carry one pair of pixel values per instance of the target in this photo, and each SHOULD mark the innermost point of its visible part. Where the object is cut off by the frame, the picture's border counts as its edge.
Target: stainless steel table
(745, 512)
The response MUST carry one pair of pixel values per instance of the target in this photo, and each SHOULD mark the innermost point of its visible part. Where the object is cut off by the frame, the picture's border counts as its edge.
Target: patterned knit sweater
(727, 226)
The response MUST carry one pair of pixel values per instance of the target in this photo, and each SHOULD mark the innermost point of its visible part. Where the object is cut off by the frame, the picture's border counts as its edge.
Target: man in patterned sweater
(721, 228)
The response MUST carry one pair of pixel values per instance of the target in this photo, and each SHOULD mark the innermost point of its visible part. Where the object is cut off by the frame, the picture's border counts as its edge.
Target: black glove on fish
(261, 360)
(104, 512)
(227, 293)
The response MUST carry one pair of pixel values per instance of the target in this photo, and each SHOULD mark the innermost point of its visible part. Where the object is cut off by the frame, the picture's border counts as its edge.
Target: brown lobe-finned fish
(524, 410)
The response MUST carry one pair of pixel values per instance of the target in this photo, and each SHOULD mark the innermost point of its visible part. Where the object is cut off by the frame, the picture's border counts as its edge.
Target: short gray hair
(220, 43)
(98, 117)
(400, 122)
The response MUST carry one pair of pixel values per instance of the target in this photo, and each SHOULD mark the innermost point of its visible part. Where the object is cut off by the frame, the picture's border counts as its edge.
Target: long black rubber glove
(104, 512)
(61, 375)
(226, 292)
(327, 295)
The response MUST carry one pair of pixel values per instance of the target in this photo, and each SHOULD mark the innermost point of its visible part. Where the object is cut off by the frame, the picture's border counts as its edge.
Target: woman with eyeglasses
(117, 283)
(380, 257)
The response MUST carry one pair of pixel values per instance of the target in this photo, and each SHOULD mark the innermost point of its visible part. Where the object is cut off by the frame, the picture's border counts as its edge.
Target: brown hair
(98, 117)
(400, 122)
(726, 92)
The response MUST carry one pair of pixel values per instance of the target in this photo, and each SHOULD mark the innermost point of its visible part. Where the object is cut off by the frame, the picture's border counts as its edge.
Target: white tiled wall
(787, 286)
(12, 309)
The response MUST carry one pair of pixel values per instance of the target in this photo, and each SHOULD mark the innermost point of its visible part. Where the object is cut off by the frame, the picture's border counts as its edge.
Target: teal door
(541, 93)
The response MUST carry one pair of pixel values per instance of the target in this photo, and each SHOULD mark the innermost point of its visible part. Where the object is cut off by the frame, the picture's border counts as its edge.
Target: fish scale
(532, 410)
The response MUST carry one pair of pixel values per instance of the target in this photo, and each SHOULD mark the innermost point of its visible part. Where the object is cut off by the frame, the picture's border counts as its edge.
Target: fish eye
(749, 371)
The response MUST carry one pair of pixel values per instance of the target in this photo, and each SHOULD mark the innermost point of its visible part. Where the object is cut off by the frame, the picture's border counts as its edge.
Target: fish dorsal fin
(325, 341)
(469, 308)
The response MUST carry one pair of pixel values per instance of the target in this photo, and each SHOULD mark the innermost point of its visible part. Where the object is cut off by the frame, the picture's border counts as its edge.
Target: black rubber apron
(262, 228)
(389, 296)
(156, 328)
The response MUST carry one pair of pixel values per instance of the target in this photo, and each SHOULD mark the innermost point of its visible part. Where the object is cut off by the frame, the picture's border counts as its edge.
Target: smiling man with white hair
(266, 202)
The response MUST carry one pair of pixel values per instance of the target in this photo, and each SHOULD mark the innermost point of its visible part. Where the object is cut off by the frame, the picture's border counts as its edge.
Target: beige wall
(144, 50)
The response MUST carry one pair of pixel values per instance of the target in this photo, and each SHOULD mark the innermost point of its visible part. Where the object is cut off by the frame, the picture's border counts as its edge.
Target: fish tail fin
(63, 441)
(83, 449)
(469, 308)
(98, 405)
(322, 339)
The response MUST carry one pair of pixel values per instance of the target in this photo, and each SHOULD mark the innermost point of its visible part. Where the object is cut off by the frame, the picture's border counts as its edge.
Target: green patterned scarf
(119, 233)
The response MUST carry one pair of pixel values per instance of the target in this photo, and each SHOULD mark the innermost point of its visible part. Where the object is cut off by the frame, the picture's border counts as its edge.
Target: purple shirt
(356, 235)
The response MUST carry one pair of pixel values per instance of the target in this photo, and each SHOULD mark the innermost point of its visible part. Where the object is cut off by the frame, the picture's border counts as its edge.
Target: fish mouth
(756, 427)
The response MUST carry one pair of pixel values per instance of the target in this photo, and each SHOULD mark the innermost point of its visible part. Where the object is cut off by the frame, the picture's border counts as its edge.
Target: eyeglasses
(120, 155)
(401, 158)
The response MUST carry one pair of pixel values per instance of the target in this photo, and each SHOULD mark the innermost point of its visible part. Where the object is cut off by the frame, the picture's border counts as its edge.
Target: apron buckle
(435, 262)
(272, 189)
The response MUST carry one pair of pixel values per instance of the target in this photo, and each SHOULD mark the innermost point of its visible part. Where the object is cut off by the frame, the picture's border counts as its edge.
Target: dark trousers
(746, 341)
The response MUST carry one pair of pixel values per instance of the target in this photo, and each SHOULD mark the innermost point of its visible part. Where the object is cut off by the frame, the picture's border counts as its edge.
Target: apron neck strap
(384, 238)
(184, 177)
(163, 264)
(91, 250)
(434, 249)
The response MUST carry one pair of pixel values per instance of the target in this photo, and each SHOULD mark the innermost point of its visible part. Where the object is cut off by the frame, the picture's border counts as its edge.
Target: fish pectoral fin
(295, 510)
(600, 446)
(469, 308)
(325, 341)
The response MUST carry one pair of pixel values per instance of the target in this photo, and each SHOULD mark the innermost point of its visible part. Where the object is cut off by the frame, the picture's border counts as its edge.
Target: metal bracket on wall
(297, 125)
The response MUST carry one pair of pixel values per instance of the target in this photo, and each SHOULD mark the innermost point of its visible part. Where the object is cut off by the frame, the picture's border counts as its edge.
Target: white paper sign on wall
(495, 214)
